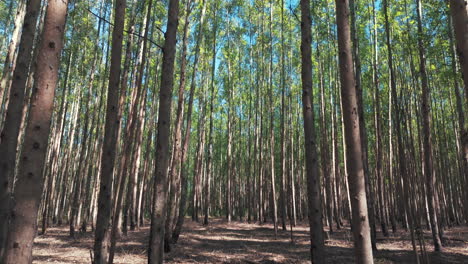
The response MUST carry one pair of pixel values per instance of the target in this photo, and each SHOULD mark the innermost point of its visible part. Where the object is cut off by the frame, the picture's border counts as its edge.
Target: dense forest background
(211, 109)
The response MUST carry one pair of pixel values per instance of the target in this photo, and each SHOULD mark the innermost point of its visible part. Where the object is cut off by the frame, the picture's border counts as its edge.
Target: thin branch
(129, 32)
(294, 13)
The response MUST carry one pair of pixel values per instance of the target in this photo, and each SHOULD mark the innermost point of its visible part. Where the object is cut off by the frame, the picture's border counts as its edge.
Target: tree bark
(11, 129)
(427, 140)
(360, 219)
(176, 165)
(11, 56)
(459, 19)
(158, 217)
(313, 178)
(102, 235)
(29, 186)
(362, 125)
(210, 133)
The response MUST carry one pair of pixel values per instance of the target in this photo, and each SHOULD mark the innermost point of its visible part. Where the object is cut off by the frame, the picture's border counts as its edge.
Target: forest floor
(240, 242)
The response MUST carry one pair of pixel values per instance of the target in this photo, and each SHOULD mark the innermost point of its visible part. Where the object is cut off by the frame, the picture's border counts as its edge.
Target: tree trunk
(460, 18)
(360, 220)
(317, 249)
(175, 167)
(102, 235)
(377, 124)
(427, 141)
(158, 217)
(28, 189)
(10, 132)
(209, 158)
(362, 125)
(11, 56)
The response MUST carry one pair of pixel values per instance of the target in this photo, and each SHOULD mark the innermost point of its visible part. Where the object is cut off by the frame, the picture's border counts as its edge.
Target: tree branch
(133, 33)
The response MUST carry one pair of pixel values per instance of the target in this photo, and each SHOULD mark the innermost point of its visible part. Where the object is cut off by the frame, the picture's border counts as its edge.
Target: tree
(11, 129)
(317, 249)
(185, 144)
(10, 59)
(158, 217)
(102, 235)
(175, 167)
(206, 187)
(459, 18)
(29, 185)
(360, 219)
(432, 196)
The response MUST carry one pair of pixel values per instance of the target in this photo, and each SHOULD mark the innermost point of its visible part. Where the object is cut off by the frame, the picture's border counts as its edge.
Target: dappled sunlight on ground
(237, 242)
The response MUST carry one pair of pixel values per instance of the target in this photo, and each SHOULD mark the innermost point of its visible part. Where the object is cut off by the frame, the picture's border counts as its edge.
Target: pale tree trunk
(210, 133)
(317, 249)
(377, 124)
(229, 129)
(102, 235)
(198, 172)
(158, 217)
(284, 192)
(4, 38)
(324, 147)
(293, 111)
(390, 113)
(336, 163)
(272, 137)
(250, 181)
(10, 59)
(9, 135)
(79, 177)
(360, 219)
(84, 156)
(28, 189)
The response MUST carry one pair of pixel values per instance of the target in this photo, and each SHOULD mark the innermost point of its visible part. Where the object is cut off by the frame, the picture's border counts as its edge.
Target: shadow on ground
(236, 242)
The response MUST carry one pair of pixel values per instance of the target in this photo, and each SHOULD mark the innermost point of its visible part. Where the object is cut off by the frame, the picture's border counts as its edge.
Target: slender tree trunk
(360, 220)
(427, 141)
(11, 56)
(175, 167)
(312, 168)
(324, 148)
(377, 124)
(210, 133)
(102, 235)
(362, 125)
(158, 217)
(79, 177)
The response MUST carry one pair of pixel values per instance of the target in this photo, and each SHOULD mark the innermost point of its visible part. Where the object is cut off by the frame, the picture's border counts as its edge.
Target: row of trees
(108, 151)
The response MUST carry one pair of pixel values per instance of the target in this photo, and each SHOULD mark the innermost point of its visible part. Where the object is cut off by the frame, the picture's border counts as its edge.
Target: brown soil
(237, 242)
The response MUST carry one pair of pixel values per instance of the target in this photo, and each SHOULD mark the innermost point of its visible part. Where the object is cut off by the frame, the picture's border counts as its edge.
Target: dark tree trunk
(29, 185)
(158, 217)
(102, 235)
(460, 18)
(10, 132)
(312, 167)
(427, 140)
(360, 219)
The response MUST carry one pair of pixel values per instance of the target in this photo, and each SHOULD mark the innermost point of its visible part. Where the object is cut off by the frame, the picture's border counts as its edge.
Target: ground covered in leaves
(240, 242)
